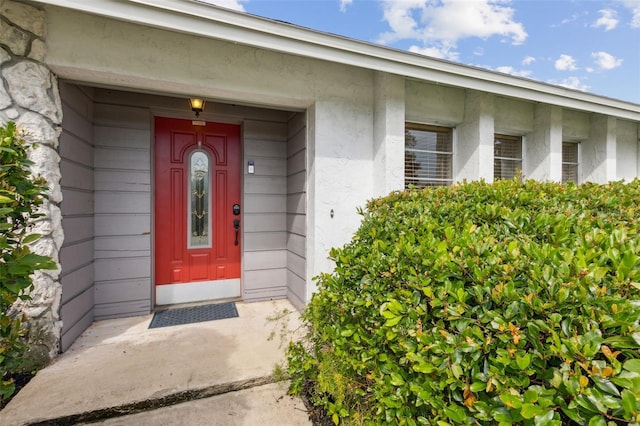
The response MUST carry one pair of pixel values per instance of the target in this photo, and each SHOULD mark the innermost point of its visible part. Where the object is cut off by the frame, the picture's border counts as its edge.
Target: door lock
(236, 209)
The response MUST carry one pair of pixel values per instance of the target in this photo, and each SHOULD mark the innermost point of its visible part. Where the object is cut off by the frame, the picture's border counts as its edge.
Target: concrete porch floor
(222, 368)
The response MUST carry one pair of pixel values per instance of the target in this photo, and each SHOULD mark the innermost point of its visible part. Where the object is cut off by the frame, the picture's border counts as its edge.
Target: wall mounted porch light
(197, 105)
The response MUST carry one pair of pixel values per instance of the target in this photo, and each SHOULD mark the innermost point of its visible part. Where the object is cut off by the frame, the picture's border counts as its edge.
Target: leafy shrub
(510, 303)
(20, 196)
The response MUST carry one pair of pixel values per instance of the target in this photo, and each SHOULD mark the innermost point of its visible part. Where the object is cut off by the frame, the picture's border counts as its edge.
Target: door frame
(155, 302)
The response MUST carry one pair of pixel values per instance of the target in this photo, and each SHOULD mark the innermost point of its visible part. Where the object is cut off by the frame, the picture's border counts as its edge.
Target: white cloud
(528, 60)
(478, 51)
(605, 61)
(634, 7)
(566, 63)
(442, 23)
(513, 71)
(608, 19)
(571, 83)
(344, 4)
(229, 4)
(573, 18)
(441, 52)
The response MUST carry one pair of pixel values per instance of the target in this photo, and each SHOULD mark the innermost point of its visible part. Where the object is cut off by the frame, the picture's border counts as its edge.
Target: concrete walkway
(119, 372)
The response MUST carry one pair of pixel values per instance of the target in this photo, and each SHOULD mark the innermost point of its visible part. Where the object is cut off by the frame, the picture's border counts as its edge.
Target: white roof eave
(193, 17)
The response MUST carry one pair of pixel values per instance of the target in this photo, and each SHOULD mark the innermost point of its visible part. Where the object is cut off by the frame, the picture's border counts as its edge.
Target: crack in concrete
(155, 403)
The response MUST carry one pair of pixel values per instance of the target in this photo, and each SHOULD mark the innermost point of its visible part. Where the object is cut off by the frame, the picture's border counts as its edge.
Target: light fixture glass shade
(197, 105)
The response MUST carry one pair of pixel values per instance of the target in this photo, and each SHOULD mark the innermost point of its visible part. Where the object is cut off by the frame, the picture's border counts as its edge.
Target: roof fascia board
(195, 19)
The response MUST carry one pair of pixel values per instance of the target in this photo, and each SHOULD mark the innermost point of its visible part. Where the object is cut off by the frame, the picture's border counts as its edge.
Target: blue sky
(588, 45)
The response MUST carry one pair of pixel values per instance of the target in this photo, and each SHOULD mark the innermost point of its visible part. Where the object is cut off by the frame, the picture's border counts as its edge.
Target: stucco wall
(512, 116)
(100, 50)
(433, 104)
(575, 125)
(542, 151)
(339, 175)
(627, 137)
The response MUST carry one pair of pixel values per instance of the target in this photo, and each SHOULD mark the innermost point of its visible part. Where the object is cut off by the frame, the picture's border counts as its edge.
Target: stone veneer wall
(29, 96)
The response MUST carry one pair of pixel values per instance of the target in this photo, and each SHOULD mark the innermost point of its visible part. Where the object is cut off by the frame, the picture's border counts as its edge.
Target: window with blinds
(507, 156)
(570, 161)
(428, 156)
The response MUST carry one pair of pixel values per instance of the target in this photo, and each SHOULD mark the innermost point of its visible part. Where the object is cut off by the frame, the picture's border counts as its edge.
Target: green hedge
(505, 303)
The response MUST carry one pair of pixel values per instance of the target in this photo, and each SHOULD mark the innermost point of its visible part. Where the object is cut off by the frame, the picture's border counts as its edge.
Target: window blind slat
(428, 156)
(507, 153)
(570, 161)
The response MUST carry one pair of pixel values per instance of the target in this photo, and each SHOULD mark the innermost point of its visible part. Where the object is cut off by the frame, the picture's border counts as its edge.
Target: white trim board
(171, 294)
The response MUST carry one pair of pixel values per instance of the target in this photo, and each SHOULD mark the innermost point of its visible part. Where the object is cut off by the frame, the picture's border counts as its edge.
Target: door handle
(236, 225)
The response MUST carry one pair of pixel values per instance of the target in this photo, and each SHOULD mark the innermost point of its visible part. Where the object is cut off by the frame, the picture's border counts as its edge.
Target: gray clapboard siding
(296, 264)
(123, 180)
(296, 286)
(270, 293)
(296, 209)
(296, 244)
(265, 221)
(122, 268)
(122, 224)
(75, 257)
(122, 291)
(76, 254)
(77, 229)
(297, 202)
(114, 116)
(262, 148)
(76, 282)
(297, 184)
(265, 279)
(268, 203)
(122, 161)
(75, 149)
(296, 223)
(270, 167)
(70, 309)
(108, 247)
(120, 137)
(258, 184)
(123, 202)
(77, 108)
(76, 175)
(76, 202)
(260, 260)
(72, 332)
(264, 240)
(121, 309)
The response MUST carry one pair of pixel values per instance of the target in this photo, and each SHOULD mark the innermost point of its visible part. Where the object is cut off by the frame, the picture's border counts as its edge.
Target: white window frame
(504, 136)
(578, 164)
(433, 128)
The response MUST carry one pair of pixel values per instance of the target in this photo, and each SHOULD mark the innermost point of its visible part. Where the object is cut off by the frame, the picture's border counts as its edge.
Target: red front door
(197, 228)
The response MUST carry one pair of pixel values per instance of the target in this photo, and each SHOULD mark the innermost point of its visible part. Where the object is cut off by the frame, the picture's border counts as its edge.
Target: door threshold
(192, 304)
(196, 291)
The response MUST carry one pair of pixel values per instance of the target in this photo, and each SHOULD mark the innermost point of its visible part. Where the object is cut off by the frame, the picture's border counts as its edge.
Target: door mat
(194, 314)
